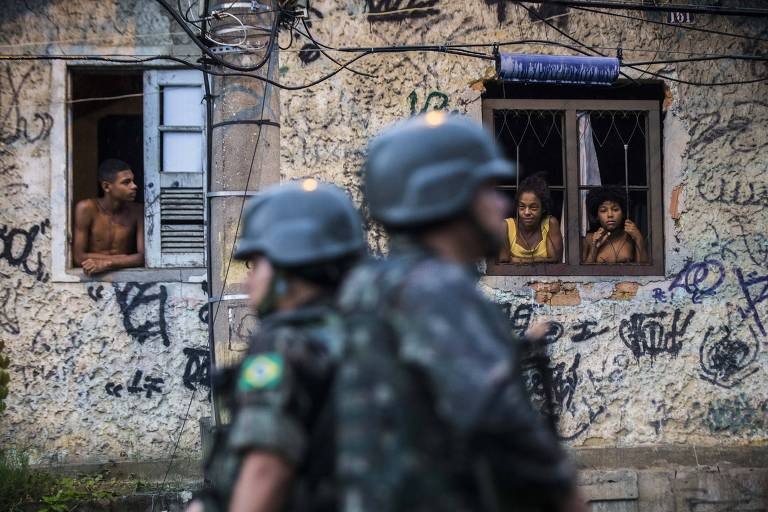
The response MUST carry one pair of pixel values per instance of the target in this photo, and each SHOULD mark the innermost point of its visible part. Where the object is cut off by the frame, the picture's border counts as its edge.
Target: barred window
(587, 199)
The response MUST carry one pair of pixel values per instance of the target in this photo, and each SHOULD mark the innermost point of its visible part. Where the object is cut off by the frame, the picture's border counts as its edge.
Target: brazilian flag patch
(264, 371)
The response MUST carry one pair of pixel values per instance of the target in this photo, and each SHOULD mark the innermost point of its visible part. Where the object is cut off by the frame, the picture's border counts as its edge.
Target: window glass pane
(182, 106)
(534, 140)
(182, 152)
(615, 154)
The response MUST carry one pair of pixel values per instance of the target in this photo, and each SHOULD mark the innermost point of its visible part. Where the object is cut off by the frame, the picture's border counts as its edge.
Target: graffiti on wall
(700, 279)
(197, 369)
(652, 334)
(19, 251)
(435, 100)
(140, 384)
(15, 126)
(732, 192)
(400, 10)
(736, 415)
(143, 311)
(726, 358)
(586, 330)
(9, 322)
(755, 290)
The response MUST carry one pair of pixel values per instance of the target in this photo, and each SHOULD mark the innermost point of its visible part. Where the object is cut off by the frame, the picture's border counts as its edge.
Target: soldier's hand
(538, 331)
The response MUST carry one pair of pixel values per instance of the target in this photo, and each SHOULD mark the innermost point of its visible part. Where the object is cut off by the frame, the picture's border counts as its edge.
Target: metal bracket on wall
(224, 298)
(227, 49)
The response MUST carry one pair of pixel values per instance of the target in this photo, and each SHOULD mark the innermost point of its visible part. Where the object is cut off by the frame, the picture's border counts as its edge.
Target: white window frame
(155, 178)
(61, 187)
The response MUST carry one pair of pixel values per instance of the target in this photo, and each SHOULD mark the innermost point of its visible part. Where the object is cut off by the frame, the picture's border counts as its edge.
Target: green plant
(18, 483)
(70, 492)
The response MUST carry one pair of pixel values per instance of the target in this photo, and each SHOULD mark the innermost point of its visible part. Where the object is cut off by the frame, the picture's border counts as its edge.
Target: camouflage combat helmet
(428, 168)
(301, 223)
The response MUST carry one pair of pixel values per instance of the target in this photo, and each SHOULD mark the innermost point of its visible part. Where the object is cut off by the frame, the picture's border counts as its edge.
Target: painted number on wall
(680, 18)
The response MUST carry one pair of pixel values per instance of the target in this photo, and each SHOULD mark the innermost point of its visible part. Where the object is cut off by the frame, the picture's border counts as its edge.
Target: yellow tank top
(518, 251)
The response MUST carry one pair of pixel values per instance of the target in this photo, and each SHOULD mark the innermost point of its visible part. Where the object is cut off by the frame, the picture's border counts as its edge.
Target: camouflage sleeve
(263, 421)
(455, 336)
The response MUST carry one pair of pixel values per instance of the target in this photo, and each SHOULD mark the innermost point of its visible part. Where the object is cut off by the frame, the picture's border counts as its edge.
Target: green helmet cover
(428, 168)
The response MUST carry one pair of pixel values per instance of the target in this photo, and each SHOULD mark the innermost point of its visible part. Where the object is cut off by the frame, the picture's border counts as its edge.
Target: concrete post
(245, 159)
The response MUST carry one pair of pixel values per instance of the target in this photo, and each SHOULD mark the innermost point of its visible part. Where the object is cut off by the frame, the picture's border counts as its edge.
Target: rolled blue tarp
(558, 69)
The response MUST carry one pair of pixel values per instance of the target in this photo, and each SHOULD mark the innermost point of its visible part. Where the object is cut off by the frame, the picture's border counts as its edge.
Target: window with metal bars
(586, 150)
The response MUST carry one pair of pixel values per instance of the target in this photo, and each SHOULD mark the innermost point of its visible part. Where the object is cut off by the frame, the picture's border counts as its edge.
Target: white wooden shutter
(174, 168)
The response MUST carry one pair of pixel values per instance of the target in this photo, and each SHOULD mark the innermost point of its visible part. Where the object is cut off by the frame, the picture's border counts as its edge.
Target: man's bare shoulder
(85, 209)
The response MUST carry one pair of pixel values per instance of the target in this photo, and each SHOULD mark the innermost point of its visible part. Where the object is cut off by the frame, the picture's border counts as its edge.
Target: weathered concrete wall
(100, 370)
(73, 344)
(706, 382)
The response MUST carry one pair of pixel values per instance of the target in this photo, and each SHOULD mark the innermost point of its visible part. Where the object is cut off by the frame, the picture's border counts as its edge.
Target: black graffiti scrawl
(399, 10)
(650, 334)
(17, 248)
(143, 311)
(196, 372)
(726, 358)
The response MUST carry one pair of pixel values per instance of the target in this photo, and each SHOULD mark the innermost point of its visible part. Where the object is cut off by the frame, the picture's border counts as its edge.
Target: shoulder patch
(264, 371)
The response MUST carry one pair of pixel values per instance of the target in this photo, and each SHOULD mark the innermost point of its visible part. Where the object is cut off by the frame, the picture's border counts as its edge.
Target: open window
(153, 119)
(589, 145)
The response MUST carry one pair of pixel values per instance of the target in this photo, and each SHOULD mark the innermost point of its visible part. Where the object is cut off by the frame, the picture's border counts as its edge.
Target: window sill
(136, 275)
(583, 270)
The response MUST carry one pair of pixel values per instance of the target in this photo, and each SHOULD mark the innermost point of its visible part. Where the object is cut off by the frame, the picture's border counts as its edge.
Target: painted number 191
(680, 17)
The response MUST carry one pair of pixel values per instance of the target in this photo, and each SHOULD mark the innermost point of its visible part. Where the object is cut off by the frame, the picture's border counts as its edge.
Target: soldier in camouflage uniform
(433, 412)
(299, 240)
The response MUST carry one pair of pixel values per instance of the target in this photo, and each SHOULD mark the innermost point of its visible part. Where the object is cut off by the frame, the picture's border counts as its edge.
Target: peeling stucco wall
(673, 360)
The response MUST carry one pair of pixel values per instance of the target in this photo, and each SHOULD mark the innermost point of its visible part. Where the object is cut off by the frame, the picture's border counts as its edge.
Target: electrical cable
(290, 43)
(320, 47)
(633, 66)
(178, 438)
(633, 6)
(363, 52)
(707, 84)
(757, 58)
(207, 51)
(663, 23)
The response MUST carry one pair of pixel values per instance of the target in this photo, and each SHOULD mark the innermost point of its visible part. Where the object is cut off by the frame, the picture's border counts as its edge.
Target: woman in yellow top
(533, 235)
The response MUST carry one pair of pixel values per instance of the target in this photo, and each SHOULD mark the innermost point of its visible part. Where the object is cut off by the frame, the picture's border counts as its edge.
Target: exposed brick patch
(674, 202)
(557, 294)
(625, 291)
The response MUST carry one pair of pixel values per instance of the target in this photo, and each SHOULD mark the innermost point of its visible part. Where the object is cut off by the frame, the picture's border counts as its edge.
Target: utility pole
(245, 158)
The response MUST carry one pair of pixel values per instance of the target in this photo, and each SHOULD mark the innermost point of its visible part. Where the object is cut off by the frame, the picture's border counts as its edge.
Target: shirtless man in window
(109, 231)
